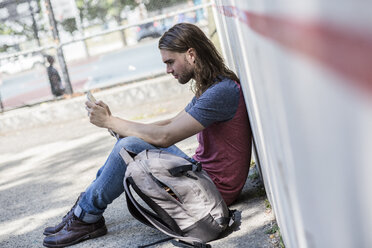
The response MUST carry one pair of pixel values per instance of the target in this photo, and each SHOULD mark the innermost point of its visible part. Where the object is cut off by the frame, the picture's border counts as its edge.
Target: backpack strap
(156, 242)
(162, 215)
(180, 170)
(193, 245)
(126, 156)
(151, 219)
(227, 220)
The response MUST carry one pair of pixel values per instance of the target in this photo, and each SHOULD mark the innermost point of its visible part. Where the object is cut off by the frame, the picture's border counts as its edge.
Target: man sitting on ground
(217, 114)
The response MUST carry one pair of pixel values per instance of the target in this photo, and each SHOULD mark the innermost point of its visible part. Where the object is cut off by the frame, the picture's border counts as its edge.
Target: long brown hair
(209, 65)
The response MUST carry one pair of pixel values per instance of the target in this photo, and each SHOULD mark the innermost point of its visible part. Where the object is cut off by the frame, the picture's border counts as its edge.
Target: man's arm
(167, 121)
(168, 133)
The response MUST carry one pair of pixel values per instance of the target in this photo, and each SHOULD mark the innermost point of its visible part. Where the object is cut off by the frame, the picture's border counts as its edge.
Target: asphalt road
(138, 61)
(43, 169)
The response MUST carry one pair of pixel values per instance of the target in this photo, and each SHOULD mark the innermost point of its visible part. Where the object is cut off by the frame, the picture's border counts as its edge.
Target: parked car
(149, 30)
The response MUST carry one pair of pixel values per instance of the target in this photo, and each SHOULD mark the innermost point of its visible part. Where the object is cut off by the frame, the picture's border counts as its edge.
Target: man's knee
(132, 144)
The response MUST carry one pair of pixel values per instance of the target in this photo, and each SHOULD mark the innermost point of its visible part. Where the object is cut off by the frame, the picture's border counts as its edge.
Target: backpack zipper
(170, 191)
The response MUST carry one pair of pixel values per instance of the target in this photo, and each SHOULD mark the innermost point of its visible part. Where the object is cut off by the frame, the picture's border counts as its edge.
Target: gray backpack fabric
(185, 202)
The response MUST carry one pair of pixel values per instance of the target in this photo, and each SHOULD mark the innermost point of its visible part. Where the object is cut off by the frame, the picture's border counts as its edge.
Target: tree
(152, 5)
(103, 11)
(115, 9)
(23, 25)
(69, 25)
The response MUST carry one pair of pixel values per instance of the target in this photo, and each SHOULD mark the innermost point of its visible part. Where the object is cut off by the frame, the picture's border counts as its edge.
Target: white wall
(306, 72)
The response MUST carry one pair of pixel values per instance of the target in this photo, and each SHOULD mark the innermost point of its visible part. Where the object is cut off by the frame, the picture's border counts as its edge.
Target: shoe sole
(97, 233)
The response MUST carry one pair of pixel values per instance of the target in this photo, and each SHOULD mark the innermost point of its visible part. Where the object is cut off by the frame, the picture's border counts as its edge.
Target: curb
(128, 95)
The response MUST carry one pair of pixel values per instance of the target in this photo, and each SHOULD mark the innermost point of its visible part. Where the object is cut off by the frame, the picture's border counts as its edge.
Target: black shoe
(54, 229)
(76, 231)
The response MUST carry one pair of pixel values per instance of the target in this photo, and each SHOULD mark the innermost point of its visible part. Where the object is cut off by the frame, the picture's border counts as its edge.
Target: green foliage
(20, 25)
(22, 29)
(253, 163)
(93, 11)
(4, 48)
(274, 228)
(69, 25)
(102, 10)
(152, 5)
(253, 176)
(281, 242)
(5, 30)
(267, 204)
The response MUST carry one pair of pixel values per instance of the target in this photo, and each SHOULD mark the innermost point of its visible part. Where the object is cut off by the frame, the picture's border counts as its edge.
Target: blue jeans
(108, 184)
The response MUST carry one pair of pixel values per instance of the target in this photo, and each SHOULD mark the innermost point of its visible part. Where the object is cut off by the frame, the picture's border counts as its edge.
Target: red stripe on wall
(344, 51)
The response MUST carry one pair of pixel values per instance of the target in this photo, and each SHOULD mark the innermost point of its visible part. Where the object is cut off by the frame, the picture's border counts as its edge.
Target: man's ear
(191, 55)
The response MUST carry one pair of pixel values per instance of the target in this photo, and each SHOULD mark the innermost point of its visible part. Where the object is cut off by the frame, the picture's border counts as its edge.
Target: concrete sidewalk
(50, 153)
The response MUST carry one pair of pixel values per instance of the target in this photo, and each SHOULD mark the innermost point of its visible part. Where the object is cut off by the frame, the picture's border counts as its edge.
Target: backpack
(185, 203)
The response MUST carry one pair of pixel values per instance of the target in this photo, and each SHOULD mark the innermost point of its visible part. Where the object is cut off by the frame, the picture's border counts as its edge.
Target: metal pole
(34, 27)
(61, 57)
(1, 104)
(1, 100)
(80, 26)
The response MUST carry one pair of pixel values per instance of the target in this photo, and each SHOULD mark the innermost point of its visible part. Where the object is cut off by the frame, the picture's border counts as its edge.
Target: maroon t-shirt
(226, 142)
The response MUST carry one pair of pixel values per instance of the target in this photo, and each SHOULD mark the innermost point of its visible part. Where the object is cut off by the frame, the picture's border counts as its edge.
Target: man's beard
(185, 77)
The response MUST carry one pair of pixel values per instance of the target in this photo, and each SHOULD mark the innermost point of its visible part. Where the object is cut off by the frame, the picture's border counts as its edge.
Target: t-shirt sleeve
(218, 103)
(191, 104)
